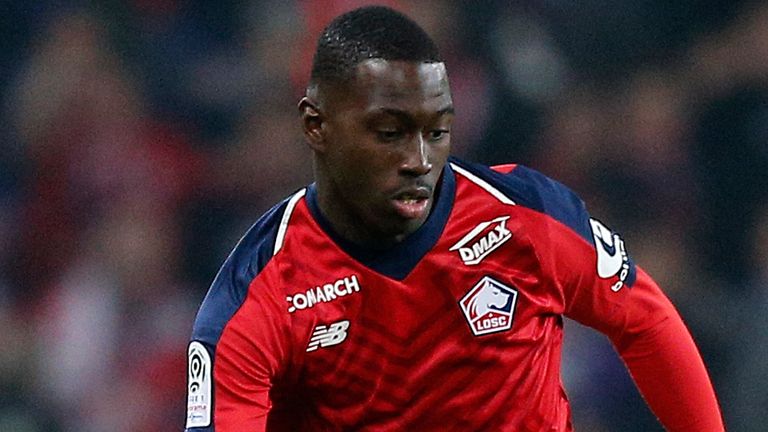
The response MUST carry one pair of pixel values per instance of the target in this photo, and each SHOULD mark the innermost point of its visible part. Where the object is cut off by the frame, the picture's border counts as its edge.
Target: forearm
(668, 370)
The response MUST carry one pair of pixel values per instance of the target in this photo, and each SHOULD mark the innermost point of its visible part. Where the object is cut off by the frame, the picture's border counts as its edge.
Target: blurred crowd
(140, 138)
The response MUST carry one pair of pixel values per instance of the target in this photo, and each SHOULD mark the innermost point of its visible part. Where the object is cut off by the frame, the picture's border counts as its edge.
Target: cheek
(357, 168)
(440, 152)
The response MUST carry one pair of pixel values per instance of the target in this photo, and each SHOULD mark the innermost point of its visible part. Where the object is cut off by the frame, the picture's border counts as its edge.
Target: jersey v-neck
(397, 261)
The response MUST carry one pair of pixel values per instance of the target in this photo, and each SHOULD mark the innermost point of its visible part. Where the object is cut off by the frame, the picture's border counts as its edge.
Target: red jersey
(459, 327)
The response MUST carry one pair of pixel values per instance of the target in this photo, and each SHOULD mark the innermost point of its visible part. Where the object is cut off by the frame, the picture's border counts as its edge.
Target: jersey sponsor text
(482, 240)
(323, 293)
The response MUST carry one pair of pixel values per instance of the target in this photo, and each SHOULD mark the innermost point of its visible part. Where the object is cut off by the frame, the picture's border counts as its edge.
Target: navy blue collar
(397, 261)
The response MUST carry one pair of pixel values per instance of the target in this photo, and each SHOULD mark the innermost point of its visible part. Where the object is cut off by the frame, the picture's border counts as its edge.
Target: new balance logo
(326, 336)
(482, 240)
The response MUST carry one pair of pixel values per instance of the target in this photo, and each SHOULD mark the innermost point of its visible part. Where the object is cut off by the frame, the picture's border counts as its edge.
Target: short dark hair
(365, 33)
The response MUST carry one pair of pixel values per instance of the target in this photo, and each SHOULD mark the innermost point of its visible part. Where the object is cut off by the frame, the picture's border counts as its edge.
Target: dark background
(139, 139)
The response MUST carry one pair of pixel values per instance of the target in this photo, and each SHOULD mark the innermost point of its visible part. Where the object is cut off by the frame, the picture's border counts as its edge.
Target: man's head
(377, 116)
(366, 33)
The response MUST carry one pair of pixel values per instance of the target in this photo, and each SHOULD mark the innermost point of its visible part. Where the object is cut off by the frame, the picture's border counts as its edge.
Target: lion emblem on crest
(489, 306)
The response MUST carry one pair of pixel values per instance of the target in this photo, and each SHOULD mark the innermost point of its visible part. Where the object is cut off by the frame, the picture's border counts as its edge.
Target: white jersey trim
(483, 184)
(286, 218)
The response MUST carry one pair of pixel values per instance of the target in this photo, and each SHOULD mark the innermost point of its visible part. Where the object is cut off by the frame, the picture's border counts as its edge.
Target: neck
(354, 221)
(349, 225)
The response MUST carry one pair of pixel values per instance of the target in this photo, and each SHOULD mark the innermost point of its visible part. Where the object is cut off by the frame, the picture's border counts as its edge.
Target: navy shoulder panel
(532, 189)
(230, 287)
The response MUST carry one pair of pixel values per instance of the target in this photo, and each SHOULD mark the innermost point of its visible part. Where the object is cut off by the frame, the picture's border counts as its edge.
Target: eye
(438, 134)
(389, 135)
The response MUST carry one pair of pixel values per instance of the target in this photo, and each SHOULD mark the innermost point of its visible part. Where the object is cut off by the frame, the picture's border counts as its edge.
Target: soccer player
(406, 290)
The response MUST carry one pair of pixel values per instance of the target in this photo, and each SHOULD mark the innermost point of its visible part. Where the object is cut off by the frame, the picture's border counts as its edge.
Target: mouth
(412, 203)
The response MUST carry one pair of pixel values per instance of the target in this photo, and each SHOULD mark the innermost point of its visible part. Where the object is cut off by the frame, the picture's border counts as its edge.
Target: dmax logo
(482, 240)
(489, 306)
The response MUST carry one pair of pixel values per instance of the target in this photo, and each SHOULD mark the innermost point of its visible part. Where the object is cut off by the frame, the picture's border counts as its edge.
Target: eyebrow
(406, 115)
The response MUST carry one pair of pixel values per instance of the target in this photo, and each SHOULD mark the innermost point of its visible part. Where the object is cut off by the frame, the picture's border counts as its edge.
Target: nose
(416, 160)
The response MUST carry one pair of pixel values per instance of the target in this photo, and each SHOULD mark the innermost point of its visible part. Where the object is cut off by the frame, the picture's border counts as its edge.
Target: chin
(409, 227)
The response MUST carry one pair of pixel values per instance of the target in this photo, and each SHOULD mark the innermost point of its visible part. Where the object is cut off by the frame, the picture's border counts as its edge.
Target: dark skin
(380, 142)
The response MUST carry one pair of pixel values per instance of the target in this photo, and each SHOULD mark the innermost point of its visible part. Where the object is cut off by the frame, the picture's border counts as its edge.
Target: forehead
(401, 85)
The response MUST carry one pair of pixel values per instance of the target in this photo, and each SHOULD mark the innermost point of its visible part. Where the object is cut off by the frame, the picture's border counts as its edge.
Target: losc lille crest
(489, 306)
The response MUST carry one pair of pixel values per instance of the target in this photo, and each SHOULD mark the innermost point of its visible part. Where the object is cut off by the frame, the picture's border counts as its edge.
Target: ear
(312, 122)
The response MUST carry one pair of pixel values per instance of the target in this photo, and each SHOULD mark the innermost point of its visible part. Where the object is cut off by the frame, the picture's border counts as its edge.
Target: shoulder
(556, 219)
(250, 256)
(531, 189)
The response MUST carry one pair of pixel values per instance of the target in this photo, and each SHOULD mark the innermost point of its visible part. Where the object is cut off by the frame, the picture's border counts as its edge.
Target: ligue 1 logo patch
(198, 386)
(489, 306)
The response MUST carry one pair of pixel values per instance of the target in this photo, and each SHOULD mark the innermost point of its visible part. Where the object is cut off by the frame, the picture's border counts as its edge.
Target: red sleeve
(664, 361)
(250, 355)
(642, 324)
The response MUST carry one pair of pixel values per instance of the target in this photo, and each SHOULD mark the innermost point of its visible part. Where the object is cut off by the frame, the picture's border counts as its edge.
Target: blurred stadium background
(140, 138)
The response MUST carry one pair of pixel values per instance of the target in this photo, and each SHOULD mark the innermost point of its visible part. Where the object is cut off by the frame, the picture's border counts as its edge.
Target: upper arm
(591, 278)
(600, 285)
(238, 340)
(234, 359)
(250, 357)
(591, 275)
